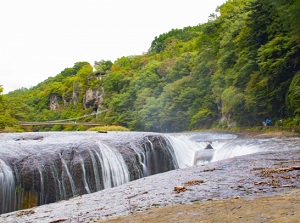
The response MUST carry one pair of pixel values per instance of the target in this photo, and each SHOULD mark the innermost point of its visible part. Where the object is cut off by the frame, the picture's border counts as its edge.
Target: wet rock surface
(42, 168)
(251, 176)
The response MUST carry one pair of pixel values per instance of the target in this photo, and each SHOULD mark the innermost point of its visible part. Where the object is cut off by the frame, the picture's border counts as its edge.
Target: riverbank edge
(259, 132)
(280, 207)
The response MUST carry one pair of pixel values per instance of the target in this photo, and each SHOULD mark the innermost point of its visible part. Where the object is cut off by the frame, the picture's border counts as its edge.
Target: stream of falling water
(7, 187)
(114, 169)
(190, 147)
(107, 164)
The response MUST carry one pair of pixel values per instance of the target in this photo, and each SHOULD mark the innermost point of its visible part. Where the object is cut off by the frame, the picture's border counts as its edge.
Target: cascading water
(190, 147)
(114, 169)
(7, 188)
(156, 153)
(40, 168)
(35, 173)
(61, 181)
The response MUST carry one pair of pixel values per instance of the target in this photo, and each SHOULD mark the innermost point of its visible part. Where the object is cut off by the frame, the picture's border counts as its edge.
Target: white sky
(40, 38)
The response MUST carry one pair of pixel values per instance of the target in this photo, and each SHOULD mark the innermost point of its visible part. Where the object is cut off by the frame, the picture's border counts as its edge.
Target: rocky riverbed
(189, 195)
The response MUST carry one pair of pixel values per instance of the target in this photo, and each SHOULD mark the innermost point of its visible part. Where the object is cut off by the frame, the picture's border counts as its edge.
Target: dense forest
(237, 69)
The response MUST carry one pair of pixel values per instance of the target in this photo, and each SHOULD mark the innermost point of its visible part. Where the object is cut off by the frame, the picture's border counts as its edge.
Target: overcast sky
(40, 38)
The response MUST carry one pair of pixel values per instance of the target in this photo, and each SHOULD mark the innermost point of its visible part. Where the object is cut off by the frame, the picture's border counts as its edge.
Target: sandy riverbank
(279, 208)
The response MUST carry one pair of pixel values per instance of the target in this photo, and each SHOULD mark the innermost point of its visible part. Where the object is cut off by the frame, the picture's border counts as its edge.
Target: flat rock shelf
(250, 176)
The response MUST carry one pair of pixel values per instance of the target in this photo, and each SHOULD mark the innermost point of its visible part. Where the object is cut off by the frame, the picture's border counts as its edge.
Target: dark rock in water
(226, 179)
(41, 168)
(30, 138)
(209, 146)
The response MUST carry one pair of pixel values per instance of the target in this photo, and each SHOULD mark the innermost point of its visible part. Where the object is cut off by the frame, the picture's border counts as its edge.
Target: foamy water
(190, 147)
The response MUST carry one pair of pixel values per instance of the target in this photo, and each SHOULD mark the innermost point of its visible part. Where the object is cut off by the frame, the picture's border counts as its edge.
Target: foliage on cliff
(240, 67)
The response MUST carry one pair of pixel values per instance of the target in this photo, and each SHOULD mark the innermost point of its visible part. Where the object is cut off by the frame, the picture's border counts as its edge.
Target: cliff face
(54, 102)
(92, 98)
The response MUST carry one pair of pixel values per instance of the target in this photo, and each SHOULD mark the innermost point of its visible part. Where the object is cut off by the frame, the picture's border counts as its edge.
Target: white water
(184, 149)
(96, 171)
(86, 186)
(7, 187)
(108, 165)
(73, 188)
(114, 169)
(189, 146)
(61, 190)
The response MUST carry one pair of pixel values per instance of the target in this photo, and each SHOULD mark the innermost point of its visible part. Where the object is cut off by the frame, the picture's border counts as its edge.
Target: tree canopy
(237, 69)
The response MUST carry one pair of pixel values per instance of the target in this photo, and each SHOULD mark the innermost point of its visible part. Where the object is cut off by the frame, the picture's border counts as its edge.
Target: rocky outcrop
(154, 154)
(75, 97)
(93, 98)
(225, 180)
(54, 102)
(41, 168)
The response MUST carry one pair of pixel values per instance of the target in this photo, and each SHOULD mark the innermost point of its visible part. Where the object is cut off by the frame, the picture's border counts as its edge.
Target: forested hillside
(239, 68)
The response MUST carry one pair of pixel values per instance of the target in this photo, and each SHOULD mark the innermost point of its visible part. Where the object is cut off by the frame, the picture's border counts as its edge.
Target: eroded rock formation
(91, 98)
(63, 165)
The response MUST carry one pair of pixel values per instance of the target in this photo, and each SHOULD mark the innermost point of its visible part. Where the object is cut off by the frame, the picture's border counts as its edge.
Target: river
(41, 168)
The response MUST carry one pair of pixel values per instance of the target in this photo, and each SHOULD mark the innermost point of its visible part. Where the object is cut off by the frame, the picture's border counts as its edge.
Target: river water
(225, 146)
(60, 165)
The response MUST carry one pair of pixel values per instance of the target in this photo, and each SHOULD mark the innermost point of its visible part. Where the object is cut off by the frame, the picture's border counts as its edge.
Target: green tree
(293, 98)
(233, 105)
(102, 66)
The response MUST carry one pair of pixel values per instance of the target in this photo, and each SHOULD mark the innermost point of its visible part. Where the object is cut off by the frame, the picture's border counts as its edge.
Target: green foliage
(293, 98)
(237, 68)
(148, 116)
(103, 66)
(202, 119)
(233, 104)
(108, 128)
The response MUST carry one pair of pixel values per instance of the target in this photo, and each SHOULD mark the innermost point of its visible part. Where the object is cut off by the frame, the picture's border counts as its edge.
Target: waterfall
(155, 155)
(7, 188)
(233, 148)
(64, 165)
(86, 186)
(96, 171)
(62, 180)
(190, 148)
(114, 169)
(45, 173)
(184, 149)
